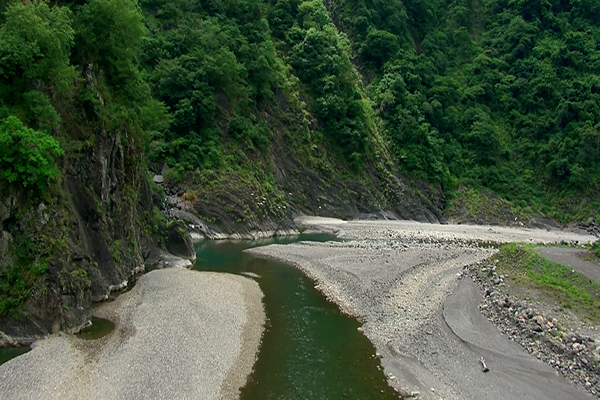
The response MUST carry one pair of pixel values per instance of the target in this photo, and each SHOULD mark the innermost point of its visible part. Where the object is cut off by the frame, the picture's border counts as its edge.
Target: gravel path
(572, 258)
(180, 335)
(402, 279)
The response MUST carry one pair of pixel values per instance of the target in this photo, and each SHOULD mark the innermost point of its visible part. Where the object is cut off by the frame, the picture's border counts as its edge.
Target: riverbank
(403, 281)
(179, 334)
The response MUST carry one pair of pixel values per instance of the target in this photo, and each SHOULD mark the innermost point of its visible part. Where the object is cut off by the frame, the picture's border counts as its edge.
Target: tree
(35, 46)
(379, 47)
(35, 43)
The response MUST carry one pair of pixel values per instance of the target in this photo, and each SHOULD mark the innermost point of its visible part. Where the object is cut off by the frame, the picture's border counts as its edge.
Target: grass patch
(596, 250)
(570, 289)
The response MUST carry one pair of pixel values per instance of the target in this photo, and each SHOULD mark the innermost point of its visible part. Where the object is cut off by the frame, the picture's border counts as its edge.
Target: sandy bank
(416, 230)
(180, 335)
(402, 279)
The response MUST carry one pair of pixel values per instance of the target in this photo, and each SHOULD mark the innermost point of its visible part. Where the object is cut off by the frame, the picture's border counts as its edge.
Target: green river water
(6, 353)
(99, 328)
(309, 351)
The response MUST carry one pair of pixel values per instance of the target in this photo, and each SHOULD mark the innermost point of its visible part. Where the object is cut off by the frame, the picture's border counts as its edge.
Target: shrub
(27, 157)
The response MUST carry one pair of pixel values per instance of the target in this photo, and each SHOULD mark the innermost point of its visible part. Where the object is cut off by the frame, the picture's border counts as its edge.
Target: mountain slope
(76, 211)
(258, 111)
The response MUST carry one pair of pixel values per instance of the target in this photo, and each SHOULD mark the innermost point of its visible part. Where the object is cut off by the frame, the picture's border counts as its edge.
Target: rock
(539, 320)
(179, 242)
(536, 328)
(6, 260)
(164, 169)
(158, 179)
(193, 222)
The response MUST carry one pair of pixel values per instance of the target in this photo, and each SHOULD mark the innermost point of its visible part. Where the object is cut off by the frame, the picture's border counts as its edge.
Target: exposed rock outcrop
(179, 242)
(63, 250)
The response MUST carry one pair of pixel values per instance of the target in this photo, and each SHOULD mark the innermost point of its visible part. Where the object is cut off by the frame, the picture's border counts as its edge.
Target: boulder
(192, 221)
(179, 242)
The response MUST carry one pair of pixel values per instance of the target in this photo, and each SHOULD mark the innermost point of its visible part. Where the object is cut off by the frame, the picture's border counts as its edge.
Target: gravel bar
(179, 334)
(404, 281)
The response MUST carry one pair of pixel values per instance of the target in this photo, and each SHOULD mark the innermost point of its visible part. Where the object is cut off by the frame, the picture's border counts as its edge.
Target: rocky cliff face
(60, 254)
(232, 207)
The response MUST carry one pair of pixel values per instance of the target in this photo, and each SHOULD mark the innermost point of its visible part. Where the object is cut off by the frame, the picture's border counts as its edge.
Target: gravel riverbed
(179, 334)
(408, 284)
(554, 336)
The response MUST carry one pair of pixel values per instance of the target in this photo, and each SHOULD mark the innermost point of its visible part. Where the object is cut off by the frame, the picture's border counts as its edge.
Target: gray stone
(179, 242)
(193, 221)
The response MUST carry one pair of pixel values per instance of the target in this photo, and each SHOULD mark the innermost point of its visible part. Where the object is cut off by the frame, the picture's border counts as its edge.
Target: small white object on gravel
(179, 334)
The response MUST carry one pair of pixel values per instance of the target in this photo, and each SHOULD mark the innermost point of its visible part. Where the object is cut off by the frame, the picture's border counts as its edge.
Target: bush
(596, 248)
(27, 157)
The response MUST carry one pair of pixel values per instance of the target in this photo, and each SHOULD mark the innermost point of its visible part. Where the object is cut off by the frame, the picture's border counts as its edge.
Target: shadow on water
(100, 327)
(8, 353)
(309, 349)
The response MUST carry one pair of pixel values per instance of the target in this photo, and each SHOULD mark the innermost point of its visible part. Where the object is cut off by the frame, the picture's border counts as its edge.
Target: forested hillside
(260, 110)
(495, 94)
(76, 212)
(266, 116)
(492, 95)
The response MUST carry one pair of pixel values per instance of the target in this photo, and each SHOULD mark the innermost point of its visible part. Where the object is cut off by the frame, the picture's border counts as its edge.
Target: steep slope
(268, 118)
(490, 100)
(495, 95)
(76, 211)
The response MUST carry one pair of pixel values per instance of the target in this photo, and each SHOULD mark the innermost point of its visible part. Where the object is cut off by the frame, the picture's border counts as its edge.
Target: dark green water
(309, 349)
(7, 353)
(100, 327)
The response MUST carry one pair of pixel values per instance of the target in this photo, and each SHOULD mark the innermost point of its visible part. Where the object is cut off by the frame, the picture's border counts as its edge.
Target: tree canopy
(496, 95)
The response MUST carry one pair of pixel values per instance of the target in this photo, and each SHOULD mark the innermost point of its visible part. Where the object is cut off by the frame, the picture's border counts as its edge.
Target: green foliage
(109, 37)
(211, 65)
(379, 47)
(319, 56)
(74, 281)
(35, 42)
(35, 46)
(31, 256)
(27, 157)
(501, 95)
(16, 284)
(571, 289)
(596, 249)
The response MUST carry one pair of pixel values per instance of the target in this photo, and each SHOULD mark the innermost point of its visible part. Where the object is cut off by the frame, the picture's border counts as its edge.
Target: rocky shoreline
(404, 281)
(575, 355)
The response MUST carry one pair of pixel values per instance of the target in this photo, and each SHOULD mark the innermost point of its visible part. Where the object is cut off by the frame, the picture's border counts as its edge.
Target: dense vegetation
(69, 79)
(492, 94)
(48, 55)
(495, 94)
(230, 84)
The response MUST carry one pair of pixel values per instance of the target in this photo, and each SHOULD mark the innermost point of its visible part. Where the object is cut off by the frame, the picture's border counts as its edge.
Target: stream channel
(309, 349)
